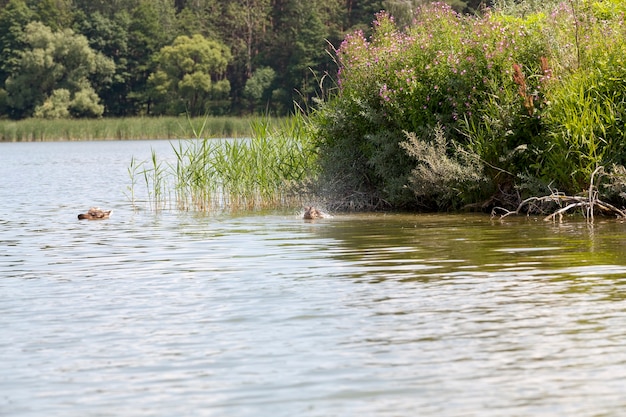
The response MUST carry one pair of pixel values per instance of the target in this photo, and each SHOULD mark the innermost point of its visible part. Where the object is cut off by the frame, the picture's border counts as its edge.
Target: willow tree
(191, 75)
(54, 75)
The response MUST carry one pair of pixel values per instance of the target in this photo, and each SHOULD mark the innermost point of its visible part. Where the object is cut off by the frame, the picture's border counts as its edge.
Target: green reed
(155, 178)
(132, 173)
(267, 170)
(37, 130)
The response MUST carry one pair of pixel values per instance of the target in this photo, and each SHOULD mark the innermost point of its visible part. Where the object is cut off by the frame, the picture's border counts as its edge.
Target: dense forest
(115, 58)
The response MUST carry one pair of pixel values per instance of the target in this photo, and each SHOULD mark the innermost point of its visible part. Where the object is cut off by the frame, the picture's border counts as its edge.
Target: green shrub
(441, 179)
(538, 96)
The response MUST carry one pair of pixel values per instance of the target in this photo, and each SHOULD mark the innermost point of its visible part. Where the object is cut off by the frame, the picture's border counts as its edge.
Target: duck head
(94, 213)
(311, 213)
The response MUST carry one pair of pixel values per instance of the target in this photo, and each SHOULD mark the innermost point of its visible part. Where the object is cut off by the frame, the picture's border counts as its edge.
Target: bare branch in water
(565, 203)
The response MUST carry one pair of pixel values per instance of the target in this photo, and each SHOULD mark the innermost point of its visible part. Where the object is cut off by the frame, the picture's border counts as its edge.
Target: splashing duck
(94, 213)
(311, 213)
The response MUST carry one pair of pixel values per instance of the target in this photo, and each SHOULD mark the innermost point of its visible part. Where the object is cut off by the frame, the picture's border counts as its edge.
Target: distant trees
(13, 18)
(56, 75)
(258, 86)
(110, 37)
(275, 52)
(190, 75)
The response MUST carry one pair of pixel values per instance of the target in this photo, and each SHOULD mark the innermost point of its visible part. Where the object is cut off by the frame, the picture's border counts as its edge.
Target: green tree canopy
(191, 73)
(13, 18)
(59, 60)
(298, 46)
(257, 87)
(56, 14)
(109, 36)
(152, 26)
(199, 16)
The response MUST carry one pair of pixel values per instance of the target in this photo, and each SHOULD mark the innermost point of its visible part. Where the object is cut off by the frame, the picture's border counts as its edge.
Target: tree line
(116, 58)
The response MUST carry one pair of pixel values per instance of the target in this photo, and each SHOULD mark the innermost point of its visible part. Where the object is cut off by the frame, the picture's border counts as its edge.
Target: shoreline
(129, 128)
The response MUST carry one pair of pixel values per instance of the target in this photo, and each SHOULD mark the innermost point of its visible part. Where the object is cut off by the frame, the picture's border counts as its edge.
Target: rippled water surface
(264, 314)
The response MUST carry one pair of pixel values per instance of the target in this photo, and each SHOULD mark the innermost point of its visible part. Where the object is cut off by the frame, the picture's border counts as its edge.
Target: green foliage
(13, 18)
(258, 86)
(441, 179)
(532, 97)
(56, 106)
(264, 171)
(615, 186)
(289, 36)
(109, 36)
(298, 45)
(190, 75)
(61, 105)
(584, 126)
(245, 23)
(151, 27)
(56, 14)
(85, 104)
(59, 61)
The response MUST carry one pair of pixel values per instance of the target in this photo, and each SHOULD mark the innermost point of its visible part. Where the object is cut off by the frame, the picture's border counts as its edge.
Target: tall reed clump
(267, 170)
(534, 98)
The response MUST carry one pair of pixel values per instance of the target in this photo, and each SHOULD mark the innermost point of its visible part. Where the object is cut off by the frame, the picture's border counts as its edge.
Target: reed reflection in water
(174, 313)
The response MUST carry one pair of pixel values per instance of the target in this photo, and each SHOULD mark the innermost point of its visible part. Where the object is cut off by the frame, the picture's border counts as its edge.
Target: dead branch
(564, 203)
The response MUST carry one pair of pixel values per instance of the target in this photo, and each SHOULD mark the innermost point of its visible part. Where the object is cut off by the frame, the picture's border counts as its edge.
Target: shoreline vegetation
(518, 109)
(481, 112)
(513, 111)
(129, 128)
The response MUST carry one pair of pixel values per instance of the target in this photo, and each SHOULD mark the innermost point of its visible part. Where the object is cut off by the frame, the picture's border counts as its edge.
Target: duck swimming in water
(95, 213)
(311, 213)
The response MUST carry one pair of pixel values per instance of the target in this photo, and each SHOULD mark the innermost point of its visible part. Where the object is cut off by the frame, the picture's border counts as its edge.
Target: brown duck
(95, 213)
(311, 213)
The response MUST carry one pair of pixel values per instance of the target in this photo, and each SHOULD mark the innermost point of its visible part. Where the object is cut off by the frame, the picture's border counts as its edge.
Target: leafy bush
(438, 177)
(538, 97)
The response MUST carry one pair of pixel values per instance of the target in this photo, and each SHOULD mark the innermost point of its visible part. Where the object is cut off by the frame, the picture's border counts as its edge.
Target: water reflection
(452, 244)
(175, 313)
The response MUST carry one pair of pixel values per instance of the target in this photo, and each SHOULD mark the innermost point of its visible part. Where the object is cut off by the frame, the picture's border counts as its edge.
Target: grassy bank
(39, 130)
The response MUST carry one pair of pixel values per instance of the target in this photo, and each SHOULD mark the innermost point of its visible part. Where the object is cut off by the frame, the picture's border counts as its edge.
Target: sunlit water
(264, 314)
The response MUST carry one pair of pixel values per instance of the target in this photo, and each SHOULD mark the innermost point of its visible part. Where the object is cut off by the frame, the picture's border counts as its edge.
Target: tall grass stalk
(155, 177)
(132, 174)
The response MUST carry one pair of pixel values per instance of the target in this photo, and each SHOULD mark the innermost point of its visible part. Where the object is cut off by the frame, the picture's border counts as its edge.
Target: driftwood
(589, 204)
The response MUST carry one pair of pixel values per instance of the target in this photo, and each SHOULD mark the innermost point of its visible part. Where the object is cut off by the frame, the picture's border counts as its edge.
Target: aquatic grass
(155, 179)
(132, 170)
(265, 171)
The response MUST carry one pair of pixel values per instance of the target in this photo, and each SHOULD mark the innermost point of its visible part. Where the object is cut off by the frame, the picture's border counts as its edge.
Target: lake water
(265, 314)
